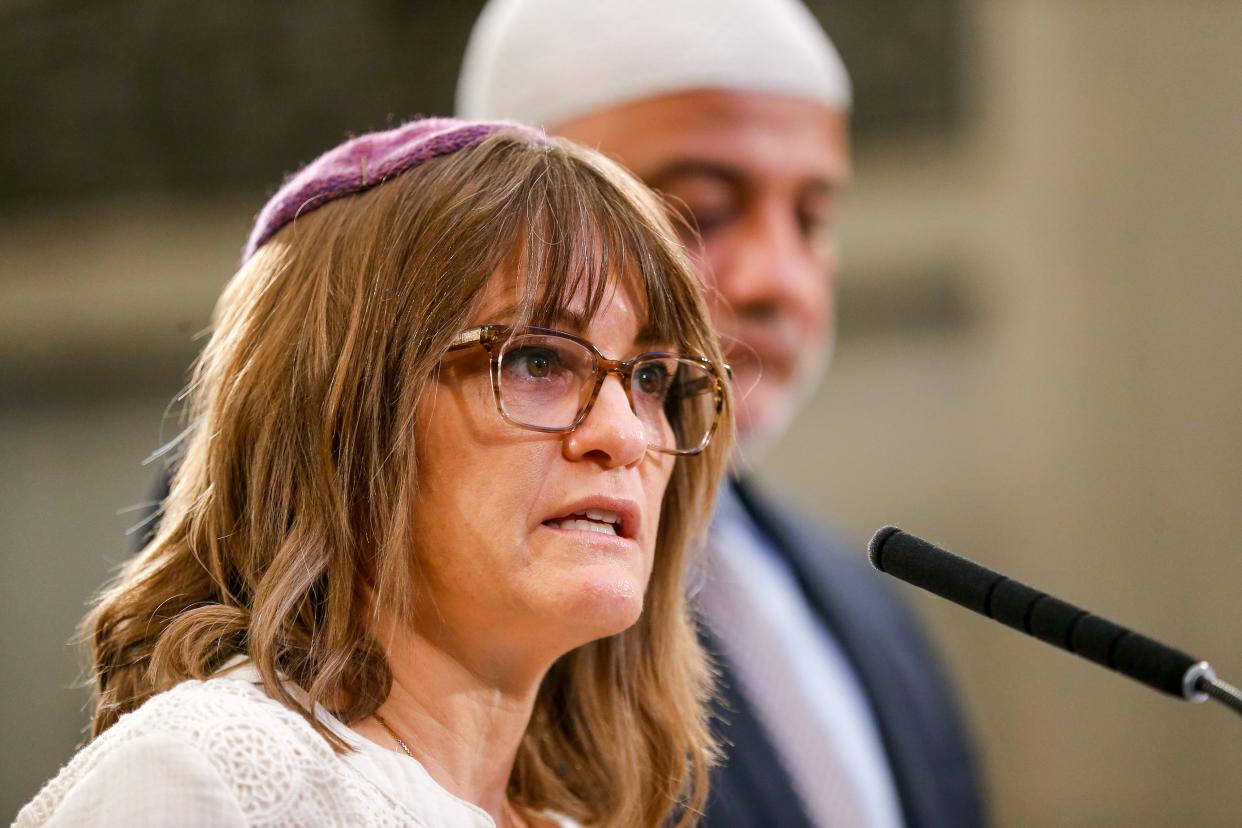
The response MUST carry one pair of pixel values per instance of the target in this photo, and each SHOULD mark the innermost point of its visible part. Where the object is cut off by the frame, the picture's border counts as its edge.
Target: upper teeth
(597, 520)
(600, 514)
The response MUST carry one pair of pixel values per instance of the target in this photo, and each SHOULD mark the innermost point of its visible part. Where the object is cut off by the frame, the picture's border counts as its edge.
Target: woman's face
(530, 542)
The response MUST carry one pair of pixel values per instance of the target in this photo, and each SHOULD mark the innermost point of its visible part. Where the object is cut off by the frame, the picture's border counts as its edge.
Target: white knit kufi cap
(545, 62)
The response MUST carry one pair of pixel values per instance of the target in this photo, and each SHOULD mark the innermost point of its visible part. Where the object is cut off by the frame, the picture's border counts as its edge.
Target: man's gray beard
(753, 447)
(750, 450)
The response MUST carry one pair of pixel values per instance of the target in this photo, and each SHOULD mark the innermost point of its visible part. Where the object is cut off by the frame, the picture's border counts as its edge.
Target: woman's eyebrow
(563, 318)
(501, 316)
(648, 335)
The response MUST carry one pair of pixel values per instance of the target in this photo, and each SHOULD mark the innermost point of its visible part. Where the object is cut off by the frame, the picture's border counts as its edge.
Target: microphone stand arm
(1207, 685)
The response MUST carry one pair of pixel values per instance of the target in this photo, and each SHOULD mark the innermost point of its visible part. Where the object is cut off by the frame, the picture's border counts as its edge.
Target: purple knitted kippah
(363, 162)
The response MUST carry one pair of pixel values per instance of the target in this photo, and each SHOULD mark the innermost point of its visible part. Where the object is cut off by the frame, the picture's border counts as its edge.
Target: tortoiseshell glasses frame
(669, 379)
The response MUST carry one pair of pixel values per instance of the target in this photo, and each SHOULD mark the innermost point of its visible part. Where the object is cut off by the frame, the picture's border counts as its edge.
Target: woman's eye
(652, 379)
(535, 363)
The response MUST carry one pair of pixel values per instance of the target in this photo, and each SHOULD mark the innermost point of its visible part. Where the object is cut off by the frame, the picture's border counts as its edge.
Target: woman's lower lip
(587, 535)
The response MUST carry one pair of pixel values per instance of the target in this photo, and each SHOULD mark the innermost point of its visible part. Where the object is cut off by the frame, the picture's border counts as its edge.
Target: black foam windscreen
(1035, 613)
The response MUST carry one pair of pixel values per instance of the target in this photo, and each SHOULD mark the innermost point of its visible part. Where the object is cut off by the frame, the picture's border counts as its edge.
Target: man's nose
(611, 434)
(775, 265)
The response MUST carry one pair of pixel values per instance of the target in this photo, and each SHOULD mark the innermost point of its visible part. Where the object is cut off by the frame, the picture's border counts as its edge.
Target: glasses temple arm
(467, 338)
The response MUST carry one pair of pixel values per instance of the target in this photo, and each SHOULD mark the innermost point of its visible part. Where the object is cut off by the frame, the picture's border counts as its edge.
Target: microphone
(1049, 619)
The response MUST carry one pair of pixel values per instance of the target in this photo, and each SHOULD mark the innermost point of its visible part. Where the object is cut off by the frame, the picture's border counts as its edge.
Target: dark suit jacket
(922, 731)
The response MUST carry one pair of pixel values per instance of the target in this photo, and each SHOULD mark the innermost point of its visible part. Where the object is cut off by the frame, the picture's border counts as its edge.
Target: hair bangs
(585, 239)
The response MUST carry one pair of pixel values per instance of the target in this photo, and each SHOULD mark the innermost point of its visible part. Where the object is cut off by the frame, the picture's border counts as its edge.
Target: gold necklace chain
(400, 742)
(514, 816)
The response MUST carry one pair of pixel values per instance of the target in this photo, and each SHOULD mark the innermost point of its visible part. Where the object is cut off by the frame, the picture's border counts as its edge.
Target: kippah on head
(546, 62)
(363, 162)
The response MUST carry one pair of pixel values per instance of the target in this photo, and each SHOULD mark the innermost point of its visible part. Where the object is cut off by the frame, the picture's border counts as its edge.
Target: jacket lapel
(916, 716)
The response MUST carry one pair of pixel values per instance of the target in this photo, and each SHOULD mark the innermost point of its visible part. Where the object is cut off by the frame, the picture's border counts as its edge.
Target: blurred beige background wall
(1040, 367)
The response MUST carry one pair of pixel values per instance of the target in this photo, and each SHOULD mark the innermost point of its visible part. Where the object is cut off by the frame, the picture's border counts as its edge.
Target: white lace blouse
(222, 754)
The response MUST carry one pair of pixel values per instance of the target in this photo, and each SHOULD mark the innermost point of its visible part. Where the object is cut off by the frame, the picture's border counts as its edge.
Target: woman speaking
(456, 431)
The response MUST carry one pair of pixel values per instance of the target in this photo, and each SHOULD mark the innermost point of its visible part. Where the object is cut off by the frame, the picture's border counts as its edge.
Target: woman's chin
(604, 605)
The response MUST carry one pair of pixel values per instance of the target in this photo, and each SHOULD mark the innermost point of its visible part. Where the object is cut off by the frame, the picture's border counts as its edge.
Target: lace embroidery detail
(278, 769)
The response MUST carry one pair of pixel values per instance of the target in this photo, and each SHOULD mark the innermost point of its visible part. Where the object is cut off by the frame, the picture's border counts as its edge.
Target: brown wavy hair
(288, 521)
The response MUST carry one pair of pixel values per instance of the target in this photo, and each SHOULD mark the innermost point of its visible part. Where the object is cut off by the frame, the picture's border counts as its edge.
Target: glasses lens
(544, 380)
(676, 400)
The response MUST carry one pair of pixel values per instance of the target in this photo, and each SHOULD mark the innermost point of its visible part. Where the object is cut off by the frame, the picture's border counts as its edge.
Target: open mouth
(600, 521)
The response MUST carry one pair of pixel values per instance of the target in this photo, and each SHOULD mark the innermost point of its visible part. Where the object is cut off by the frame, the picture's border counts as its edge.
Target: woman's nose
(611, 434)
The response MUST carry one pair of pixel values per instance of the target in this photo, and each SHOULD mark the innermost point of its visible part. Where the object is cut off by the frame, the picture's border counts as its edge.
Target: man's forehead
(754, 134)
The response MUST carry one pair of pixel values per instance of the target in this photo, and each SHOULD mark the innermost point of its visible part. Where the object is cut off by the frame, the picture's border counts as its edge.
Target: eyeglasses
(547, 380)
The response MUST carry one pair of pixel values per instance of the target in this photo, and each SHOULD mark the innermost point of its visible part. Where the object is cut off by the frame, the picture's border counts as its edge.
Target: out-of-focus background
(1039, 364)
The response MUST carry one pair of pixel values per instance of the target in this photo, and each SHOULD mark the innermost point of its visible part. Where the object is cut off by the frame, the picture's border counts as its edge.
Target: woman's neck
(462, 721)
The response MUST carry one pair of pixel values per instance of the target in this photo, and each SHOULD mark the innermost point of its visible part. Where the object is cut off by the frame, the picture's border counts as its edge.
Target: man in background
(833, 711)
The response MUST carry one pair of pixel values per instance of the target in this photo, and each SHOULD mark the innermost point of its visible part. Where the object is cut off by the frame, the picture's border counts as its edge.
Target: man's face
(758, 175)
